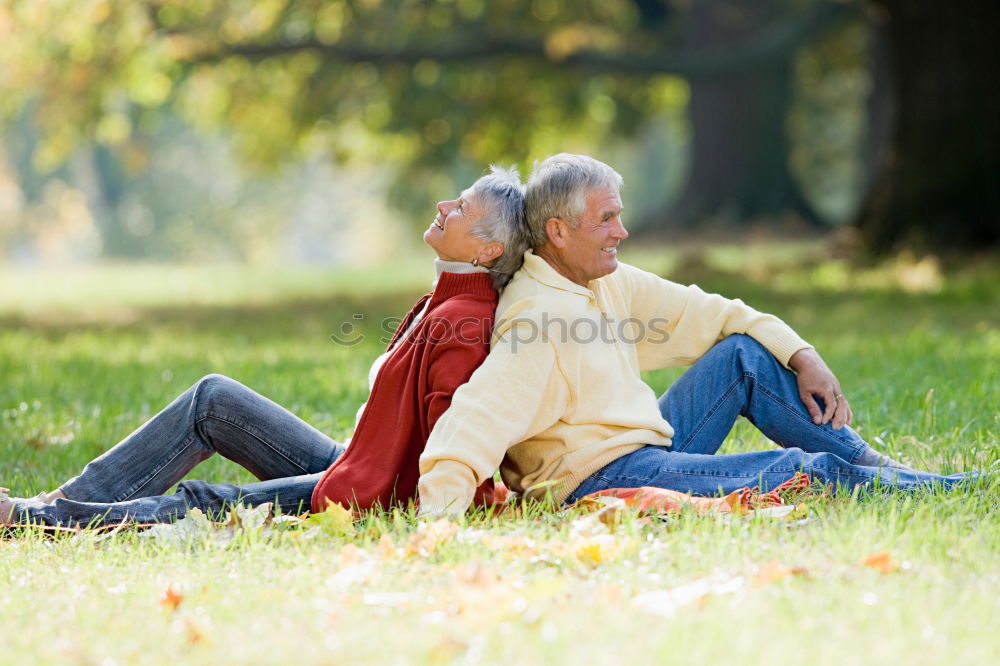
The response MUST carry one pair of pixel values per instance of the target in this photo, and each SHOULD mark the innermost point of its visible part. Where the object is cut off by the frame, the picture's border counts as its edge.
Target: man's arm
(513, 394)
(684, 322)
(700, 320)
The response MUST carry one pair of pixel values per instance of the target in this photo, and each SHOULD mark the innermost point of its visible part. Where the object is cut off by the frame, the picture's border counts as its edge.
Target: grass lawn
(86, 355)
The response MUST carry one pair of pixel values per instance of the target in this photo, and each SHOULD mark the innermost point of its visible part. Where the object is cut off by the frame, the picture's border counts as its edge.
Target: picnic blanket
(646, 500)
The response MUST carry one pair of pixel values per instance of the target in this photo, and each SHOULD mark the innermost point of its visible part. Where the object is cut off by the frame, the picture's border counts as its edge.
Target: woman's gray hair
(558, 187)
(501, 195)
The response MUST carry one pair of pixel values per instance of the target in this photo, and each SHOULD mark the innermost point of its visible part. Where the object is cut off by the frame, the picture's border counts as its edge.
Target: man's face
(591, 249)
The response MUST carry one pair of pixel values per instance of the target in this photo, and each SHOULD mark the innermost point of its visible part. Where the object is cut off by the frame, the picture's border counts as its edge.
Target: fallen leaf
(335, 520)
(882, 562)
(596, 550)
(386, 548)
(667, 602)
(775, 571)
(250, 518)
(171, 599)
(194, 634)
(429, 536)
(351, 554)
(195, 525)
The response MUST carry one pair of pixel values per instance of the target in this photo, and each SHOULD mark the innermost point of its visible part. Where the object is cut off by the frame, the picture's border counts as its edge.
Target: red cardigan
(411, 391)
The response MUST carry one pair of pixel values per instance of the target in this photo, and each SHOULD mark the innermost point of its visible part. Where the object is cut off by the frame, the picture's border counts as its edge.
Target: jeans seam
(858, 450)
(259, 438)
(152, 475)
(704, 421)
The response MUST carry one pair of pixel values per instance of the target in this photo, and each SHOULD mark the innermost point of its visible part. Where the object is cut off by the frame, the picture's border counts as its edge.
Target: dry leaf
(335, 520)
(775, 571)
(882, 562)
(386, 548)
(171, 599)
(250, 518)
(193, 526)
(595, 550)
(667, 602)
(429, 536)
(194, 634)
(351, 554)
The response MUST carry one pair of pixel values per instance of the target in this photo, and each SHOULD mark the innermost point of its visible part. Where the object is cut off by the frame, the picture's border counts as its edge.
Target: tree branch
(768, 48)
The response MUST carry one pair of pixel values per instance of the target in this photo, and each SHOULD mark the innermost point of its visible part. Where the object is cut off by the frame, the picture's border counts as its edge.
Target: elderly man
(559, 404)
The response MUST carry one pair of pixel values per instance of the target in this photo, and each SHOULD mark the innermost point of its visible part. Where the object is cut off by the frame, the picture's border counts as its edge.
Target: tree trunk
(739, 168)
(880, 109)
(938, 186)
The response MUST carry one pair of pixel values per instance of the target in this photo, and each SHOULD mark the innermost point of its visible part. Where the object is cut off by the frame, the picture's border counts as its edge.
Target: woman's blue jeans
(216, 415)
(739, 377)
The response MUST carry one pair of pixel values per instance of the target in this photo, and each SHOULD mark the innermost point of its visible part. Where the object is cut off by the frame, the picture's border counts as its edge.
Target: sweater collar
(453, 284)
(541, 271)
(442, 266)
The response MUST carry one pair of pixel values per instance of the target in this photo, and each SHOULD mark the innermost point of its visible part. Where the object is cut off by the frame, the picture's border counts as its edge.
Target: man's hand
(816, 380)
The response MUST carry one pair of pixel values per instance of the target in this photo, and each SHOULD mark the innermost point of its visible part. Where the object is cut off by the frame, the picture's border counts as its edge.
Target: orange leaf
(171, 599)
(882, 562)
(194, 634)
(774, 571)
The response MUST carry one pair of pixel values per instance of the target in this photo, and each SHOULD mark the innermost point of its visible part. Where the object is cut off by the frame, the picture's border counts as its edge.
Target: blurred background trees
(269, 129)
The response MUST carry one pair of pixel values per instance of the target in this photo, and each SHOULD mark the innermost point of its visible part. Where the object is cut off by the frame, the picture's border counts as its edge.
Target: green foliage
(419, 83)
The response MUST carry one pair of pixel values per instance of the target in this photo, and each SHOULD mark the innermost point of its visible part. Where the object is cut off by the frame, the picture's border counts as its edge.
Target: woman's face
(450, 234)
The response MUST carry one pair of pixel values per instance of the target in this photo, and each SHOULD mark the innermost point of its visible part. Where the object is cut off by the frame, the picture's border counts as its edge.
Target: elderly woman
(480, 239)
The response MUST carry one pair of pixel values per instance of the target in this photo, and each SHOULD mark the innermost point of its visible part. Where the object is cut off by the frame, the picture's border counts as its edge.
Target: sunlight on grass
(86, 355)
(151, 285)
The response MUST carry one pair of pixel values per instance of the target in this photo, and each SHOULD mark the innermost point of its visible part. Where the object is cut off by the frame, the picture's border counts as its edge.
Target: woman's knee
(214, 390)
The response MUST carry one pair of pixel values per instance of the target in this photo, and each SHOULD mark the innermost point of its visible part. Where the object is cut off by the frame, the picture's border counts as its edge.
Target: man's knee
(745, 352)
(741, 344)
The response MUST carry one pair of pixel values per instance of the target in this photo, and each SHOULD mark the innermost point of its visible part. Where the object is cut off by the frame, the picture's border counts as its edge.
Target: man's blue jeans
(739, 377)
(216, 415)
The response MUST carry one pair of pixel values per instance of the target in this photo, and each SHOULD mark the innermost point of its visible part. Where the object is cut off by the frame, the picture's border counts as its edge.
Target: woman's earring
(475, 262)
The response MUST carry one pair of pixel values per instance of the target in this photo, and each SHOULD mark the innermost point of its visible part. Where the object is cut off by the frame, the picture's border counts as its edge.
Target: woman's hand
(816, 380)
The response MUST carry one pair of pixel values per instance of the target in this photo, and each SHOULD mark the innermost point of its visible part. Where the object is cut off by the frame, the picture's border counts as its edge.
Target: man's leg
(216, 415)
(291, 495)
(739, 376)
(711, 475)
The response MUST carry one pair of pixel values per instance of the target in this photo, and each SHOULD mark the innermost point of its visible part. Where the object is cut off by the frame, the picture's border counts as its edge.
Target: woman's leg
(710, 475)
(740, 377)
(291, 495)
(216, 415)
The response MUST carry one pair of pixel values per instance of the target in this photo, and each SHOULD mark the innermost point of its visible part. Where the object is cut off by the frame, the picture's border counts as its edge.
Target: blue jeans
(216, 415)
(739, 377)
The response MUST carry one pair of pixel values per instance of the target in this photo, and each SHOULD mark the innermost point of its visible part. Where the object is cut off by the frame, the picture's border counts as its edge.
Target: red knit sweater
(412, 389)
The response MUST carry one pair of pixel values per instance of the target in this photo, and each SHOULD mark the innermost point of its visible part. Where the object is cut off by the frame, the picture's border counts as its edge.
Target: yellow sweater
(560, 394)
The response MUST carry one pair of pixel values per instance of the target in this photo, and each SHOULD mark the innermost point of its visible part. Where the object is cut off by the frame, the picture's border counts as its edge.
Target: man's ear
(556, 228)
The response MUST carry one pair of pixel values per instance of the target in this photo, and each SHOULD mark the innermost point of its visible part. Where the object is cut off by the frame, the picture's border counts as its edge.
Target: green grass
(86, 355)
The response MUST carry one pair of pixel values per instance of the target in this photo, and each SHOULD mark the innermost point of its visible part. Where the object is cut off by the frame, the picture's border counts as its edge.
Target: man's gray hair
(558, 188)
(501, 195)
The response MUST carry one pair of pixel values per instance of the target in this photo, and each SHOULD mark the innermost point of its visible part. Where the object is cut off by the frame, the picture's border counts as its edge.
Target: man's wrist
(803, 358)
